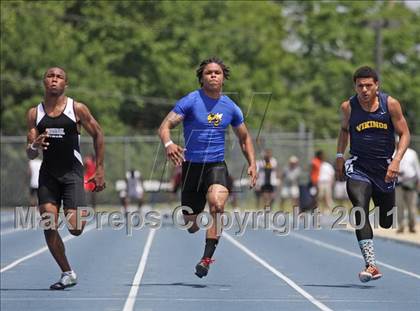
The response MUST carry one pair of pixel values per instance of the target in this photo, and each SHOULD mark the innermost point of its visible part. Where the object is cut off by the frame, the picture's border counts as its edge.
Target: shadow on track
(341, 285)
(192, 285)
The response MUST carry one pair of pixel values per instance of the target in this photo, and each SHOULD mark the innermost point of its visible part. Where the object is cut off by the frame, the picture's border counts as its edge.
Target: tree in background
(131, 60)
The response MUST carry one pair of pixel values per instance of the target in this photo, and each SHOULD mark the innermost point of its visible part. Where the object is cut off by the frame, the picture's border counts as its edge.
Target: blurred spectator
(257, 192)
(232, 192)
(267, 177)
(33, 171)
(176, 179)
(407, 189)
(134, 190)
(290, 182)
(90, 169)
(316, 167)
(340, 192)
(325, 185)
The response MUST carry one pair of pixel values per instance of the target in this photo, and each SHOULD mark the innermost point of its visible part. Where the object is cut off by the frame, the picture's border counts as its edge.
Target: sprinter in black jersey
(371, 119)
(54, 128)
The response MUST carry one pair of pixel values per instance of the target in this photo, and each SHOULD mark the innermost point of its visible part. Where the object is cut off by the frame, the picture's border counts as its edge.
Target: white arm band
(167, 144)
(32, 147)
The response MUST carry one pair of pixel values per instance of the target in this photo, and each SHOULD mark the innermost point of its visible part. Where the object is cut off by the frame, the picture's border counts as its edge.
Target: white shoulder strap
(69, 110)
(40, 113)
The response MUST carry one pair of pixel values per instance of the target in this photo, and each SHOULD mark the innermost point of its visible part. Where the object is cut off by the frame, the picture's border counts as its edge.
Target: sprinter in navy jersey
(54, 128)
(206, 114)
(371, 119)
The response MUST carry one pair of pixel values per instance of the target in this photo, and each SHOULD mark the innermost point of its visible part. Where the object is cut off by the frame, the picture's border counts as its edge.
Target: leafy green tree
(130, 61)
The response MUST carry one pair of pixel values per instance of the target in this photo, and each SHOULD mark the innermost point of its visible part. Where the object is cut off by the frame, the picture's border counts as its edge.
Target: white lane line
(10, 230)
(235, 300)
(6, 218)
(131, 299)
(41, 250)
(277, 273)
(344, 251)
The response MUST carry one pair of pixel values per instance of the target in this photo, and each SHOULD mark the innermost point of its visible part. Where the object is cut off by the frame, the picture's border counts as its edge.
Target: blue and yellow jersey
(205, 123)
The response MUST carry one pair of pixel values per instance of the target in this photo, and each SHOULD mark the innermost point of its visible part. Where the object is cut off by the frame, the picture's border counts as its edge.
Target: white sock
(368, 252)
(70, 272)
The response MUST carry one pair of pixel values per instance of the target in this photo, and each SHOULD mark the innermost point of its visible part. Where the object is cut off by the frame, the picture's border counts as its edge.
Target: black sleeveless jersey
(63, 153)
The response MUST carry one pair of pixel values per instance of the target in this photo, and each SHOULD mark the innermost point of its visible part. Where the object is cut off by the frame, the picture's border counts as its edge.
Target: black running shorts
(67, 188)
(196, 179)
(268, 188)
(33, 191)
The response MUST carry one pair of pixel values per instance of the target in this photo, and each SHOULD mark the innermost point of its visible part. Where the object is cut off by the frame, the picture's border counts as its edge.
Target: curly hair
(216, 60)
(365, 72)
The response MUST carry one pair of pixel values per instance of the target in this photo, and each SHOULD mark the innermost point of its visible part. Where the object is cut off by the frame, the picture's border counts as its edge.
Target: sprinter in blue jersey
(371, 119)
(206, 114)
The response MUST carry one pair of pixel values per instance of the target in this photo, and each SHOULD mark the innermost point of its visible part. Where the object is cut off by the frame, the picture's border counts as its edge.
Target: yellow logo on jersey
(216, 118)
(268, 165)
(371, 124)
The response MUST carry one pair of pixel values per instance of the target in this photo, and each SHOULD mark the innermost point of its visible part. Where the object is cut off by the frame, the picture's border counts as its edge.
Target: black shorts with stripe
(196, 179)
(67, 188)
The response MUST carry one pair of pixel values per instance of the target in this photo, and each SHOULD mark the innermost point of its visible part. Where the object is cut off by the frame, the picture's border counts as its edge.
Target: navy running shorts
(370, 171)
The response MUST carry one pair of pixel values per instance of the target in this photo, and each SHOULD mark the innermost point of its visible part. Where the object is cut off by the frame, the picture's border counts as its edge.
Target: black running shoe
(202, 268)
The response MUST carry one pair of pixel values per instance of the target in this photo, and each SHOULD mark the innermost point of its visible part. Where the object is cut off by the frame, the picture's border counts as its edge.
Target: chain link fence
(146, 154)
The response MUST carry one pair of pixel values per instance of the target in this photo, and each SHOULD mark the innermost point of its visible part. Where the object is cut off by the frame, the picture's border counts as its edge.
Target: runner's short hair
(365, 72)
(216, 60)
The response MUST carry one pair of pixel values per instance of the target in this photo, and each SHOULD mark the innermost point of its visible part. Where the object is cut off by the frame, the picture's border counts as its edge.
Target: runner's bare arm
(401, 129)
(343, 138)
(171, 121)
(35, 141)
(174, 152)
(95, 131)
(247, 147)
(400, 126)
